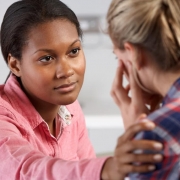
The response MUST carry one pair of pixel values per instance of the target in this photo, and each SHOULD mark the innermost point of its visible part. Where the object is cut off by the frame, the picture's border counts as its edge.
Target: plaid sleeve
(168, 169)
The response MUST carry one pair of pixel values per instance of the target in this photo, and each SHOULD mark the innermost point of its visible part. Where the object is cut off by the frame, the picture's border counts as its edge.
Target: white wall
(4, 4)
(88, 7)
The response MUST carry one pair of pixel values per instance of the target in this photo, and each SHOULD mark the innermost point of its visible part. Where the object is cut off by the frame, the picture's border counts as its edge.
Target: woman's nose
(64, 69)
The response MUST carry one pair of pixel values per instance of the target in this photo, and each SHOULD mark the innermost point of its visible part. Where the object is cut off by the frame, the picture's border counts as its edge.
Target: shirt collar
(22, 104)
(65, 115)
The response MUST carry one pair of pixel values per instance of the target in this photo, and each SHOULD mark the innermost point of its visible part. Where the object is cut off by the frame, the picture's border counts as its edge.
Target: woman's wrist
(109, 171)
(104, 171)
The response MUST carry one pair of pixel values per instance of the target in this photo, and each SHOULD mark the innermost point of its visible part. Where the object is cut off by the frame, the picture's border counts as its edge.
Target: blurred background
(102, 116)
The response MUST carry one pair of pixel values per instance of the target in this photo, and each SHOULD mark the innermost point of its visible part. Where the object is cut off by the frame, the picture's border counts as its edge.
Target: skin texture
(52, 58)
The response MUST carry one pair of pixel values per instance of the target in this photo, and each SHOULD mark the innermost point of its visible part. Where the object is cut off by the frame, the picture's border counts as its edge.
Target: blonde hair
(150, 24)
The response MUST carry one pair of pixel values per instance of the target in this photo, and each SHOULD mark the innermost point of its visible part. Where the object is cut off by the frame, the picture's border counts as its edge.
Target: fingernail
(157, 157)
(158, 146)
(149, 124)
(151, 168)
(142, 117)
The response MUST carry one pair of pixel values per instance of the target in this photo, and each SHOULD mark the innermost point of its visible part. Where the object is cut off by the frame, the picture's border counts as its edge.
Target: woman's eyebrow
(45, 50)
(50, 50)
(75, 42)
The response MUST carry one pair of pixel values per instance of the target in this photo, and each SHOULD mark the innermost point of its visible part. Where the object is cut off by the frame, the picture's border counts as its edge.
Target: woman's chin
(67, 101)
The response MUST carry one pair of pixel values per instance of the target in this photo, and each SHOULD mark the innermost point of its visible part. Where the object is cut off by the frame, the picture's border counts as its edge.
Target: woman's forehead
(52, 33)
(54, 28)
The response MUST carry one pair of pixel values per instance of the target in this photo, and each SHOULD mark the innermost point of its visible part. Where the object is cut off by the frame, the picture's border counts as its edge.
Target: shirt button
(68, 122)
(67, 117)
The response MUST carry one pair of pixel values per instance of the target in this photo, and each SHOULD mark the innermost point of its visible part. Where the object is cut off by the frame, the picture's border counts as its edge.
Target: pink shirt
(29, 151)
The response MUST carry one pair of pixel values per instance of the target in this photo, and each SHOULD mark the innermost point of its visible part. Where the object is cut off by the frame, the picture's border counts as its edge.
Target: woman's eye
(74, 52)
(46, 59)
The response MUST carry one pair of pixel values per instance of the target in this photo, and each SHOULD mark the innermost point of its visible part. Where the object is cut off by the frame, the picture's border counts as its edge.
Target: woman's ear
(14, 65)
(134, 55)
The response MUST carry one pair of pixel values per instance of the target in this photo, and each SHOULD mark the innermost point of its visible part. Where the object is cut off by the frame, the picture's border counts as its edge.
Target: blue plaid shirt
(167, 120)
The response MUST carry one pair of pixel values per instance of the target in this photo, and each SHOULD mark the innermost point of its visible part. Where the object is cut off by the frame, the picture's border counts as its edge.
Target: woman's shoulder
(167, 120)
(7, 112)
(168, 111)
(5, 105)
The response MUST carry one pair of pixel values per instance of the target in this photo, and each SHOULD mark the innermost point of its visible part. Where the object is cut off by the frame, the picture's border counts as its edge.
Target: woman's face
(53, 63)
(140, 74)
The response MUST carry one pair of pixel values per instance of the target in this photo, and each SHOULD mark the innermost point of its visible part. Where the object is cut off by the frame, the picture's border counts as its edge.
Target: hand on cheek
(130, 107)
(152, 100)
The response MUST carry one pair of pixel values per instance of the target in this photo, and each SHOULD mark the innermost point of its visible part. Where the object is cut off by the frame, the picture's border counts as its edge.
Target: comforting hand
(125, 161)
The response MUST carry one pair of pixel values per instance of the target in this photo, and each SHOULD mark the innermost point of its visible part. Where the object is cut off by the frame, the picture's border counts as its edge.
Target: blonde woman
(42, 128)
(146, 38)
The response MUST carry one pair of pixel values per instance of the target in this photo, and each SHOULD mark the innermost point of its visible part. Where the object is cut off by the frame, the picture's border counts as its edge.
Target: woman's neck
(46, 110)
(156, 80)
(48, 113)
(164, 81)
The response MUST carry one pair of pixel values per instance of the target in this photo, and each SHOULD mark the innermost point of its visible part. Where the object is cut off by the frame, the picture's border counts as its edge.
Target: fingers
(129, 154)
(133, 150)
(137, 145)
(145, 145)
(142, 117)
(135, 128)
(127, 89)
(141, 158)
(118, 92)
(135, 89)
(126, 74)
(136, 169)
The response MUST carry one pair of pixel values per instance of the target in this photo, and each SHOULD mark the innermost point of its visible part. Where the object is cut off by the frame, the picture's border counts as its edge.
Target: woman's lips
(65, 88)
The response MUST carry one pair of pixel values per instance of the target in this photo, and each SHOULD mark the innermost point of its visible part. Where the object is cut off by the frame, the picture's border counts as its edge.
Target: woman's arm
(125, 160)
(20, 160)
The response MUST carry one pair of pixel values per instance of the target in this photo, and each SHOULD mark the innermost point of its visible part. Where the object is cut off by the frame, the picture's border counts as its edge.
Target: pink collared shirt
(27, 149)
